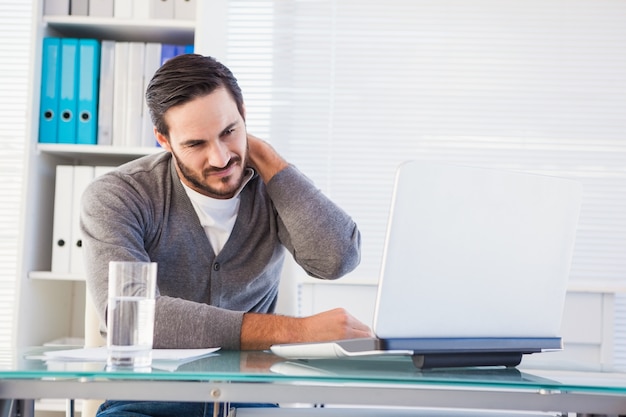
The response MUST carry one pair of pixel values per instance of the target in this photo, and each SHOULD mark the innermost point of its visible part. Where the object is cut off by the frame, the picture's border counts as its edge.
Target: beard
(230, 184)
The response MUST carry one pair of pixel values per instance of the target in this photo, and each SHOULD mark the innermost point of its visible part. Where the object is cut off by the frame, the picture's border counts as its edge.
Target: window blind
(347, 89)
(15, 26)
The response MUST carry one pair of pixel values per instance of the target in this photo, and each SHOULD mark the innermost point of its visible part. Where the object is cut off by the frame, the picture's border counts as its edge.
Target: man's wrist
(260, 331)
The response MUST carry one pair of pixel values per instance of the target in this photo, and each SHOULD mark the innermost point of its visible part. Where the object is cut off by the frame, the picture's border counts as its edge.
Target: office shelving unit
(51, 306)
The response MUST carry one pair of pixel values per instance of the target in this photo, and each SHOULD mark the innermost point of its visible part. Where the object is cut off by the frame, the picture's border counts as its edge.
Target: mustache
(214, 170)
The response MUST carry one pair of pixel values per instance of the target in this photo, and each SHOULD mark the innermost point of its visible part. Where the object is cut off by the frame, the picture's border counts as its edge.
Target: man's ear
(165, 144)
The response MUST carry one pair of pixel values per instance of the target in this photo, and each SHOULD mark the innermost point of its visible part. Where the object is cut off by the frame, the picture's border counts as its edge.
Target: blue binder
(50, 79)
(168, 51)
(88, 82)
(68, 103)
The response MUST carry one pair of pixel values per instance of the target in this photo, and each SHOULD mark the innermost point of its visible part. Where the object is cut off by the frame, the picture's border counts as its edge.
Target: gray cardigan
(140, 211)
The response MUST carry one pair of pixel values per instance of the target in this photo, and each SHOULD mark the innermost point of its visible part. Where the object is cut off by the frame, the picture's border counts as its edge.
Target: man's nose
(219, 156)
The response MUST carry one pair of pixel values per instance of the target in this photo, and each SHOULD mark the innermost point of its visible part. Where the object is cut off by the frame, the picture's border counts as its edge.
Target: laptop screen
(474, 252)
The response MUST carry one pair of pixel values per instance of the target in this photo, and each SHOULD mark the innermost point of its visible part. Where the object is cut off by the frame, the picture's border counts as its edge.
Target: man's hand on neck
(264, 159)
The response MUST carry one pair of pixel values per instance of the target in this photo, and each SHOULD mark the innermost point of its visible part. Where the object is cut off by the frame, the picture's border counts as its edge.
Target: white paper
(99, 354)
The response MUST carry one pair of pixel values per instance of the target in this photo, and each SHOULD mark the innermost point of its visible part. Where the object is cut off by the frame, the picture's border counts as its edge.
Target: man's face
(208, 143)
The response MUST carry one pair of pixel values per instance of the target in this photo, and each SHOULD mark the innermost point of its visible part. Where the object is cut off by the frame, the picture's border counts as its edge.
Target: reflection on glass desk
(233, 376)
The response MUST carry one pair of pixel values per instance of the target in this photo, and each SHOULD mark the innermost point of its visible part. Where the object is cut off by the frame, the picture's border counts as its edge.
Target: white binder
(79, 7)
(161, 9)
(134, 93)
(56, 8)
(184, 9)
(107, 85)
(152, 62)
(62, 220)
(153, 9)
(123, 9)
(119, 93)
(83, 175)
(101, 8)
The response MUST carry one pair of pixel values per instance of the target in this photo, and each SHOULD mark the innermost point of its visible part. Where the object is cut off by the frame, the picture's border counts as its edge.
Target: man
(216, 212)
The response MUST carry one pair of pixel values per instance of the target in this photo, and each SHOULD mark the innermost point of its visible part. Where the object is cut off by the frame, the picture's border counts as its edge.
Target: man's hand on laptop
(333, 325)
(260, 331)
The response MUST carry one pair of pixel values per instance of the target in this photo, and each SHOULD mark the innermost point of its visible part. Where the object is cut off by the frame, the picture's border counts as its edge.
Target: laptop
(474, 269)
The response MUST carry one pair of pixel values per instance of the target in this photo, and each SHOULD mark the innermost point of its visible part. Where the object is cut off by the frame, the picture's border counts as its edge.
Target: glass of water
(130, 314)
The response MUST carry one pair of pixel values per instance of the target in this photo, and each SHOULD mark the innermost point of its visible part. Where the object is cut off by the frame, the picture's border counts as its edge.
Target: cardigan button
(216, 266)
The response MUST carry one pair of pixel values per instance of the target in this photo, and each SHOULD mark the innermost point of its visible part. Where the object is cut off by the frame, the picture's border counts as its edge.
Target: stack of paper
(167, 359)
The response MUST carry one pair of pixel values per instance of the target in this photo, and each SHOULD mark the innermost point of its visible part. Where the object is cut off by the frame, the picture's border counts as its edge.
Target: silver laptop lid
(474, 252)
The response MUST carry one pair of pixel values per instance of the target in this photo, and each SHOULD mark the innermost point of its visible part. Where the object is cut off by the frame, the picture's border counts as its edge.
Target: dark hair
(184, 78)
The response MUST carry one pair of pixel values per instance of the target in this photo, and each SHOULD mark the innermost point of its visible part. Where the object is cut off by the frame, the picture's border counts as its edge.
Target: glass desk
(261, 377)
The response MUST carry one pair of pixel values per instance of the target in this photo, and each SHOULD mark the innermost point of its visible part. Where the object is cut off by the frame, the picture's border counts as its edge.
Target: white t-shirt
(217, 216)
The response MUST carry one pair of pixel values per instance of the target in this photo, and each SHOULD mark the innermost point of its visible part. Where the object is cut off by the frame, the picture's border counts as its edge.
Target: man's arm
(260, 331)
(322, 238)
(307, 229)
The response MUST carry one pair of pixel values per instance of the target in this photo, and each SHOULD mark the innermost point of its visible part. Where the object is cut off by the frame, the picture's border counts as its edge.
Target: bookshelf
(91, 155)
(51, 306)
(166, 31)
